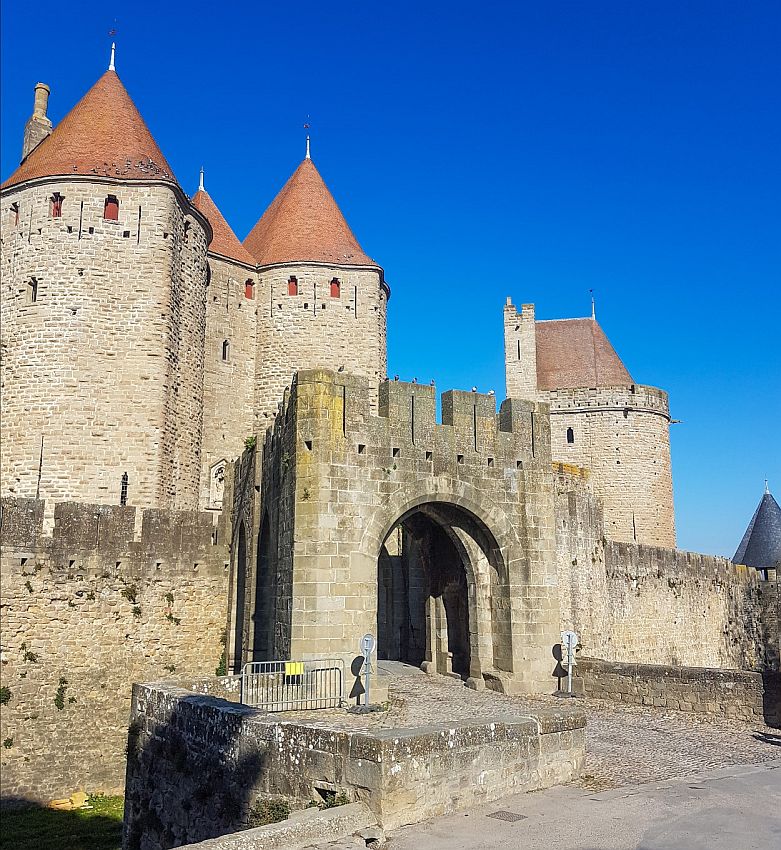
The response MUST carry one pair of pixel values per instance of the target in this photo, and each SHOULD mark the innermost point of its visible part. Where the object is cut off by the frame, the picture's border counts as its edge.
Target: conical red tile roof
(304, 223)
(103, 135)
(576, 353)
(224, 242)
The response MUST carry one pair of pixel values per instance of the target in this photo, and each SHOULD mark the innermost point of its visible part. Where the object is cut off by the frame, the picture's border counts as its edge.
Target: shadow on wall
(771, 698)
(194, 797)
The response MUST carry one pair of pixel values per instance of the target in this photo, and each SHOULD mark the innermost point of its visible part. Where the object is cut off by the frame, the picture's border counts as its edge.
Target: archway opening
(423, 611)
(443, 593)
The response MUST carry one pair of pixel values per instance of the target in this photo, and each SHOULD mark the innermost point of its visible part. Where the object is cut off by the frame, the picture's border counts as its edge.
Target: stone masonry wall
(106, 366)
(622, 436)
(228, 383)
(313, 329)
(743, 695)
(356, 474)
(647, 604)
(197, 764)
(95, 598)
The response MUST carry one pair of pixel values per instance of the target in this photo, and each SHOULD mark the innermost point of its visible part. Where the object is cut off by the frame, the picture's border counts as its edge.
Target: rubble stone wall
(95, 598)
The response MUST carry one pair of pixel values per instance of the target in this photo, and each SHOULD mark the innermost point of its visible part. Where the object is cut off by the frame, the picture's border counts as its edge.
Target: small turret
(38, 126)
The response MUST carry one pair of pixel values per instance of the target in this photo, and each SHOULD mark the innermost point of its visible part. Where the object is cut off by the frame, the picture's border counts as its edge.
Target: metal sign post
(569, 642)
(367, 647)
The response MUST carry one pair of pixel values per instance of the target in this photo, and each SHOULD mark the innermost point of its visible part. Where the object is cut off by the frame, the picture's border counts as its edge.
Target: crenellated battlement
(337, 407)
(636, 397)
(78, 537)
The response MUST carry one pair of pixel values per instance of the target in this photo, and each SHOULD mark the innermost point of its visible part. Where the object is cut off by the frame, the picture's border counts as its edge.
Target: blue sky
(531, 149)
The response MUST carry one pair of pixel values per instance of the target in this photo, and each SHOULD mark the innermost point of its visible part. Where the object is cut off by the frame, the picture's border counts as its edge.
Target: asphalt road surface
(733, 808)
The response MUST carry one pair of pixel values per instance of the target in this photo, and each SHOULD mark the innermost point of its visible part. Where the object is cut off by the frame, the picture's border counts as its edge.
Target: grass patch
(37, 828)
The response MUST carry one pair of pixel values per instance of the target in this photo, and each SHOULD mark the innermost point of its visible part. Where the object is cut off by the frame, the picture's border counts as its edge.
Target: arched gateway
(443, 594)
(438, 538)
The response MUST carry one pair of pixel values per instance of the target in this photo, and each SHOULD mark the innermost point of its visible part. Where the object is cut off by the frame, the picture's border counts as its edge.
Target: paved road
(734, 808)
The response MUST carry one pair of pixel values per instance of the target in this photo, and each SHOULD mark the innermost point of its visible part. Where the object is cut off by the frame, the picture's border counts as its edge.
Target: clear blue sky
(532, 149)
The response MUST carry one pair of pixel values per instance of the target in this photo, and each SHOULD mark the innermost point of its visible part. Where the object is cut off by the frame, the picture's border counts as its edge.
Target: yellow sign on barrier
(294, 668)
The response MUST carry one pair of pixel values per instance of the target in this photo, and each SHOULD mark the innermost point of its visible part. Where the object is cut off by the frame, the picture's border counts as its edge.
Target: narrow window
(111, 209)
(570, 436)
(336, 288)
(55, 205)
(187, 231)
(249, 289)
(15, 213)
(32, 291)
(226, 349)
(123, 490)
(292, 286)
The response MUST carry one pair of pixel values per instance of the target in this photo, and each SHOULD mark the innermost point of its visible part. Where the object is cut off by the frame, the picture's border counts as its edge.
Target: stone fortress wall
(620, 433)
(97, 597)
(229, 373)
(314, 328)
(102, 343)
(653, 605)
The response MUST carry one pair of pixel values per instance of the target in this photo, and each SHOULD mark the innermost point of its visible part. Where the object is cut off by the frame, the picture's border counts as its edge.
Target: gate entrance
(434, 588)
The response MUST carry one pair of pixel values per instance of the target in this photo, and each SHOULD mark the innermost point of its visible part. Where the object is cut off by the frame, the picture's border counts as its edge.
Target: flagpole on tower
(306, 127)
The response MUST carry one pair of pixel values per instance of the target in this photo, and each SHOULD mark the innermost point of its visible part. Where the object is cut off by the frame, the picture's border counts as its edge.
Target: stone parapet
(739, 694)
(185, 747)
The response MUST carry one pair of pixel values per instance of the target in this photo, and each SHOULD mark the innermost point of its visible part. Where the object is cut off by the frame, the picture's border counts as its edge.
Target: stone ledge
(301, 829)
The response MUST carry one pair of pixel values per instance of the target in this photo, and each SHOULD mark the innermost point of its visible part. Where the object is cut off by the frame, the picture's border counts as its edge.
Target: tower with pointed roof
(104, 282)
(321, 300)
(760, 546)
(230, 349)
(600, 419)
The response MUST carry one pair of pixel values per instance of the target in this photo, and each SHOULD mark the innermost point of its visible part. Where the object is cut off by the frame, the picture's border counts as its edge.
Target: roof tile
(103, 135)
(304, 223)
(576, 353)
(224, 242)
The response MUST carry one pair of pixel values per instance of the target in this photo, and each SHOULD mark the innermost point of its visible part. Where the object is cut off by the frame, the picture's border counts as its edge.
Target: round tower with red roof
(321, 300)
(104, 277)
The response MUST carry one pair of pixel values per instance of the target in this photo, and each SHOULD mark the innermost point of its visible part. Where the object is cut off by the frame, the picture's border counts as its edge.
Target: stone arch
(436, 528)
(488, 516)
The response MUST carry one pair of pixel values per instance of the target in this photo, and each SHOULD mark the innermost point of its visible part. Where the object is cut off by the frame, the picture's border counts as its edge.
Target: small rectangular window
(111, 208)
(15, 213)
(292, 286)
(32, 291)
(55, 205)
(336, 288)
(249, 289)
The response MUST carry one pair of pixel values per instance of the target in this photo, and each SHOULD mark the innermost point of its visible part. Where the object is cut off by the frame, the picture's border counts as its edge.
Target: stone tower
(229, 357)
(321, 301)
(600, 419)
(103, 287)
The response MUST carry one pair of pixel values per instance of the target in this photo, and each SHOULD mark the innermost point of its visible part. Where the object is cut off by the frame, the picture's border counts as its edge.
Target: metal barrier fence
(293, 685)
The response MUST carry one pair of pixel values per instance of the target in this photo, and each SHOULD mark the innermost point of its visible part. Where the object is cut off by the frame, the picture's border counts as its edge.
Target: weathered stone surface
(301, 829)
(741, 694)
(216, 759)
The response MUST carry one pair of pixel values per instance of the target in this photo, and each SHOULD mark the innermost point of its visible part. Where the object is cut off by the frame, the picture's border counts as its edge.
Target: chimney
(38, 125)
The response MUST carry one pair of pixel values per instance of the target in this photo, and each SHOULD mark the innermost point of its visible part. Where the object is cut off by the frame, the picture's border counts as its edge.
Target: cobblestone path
(626, 744)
